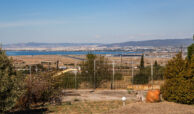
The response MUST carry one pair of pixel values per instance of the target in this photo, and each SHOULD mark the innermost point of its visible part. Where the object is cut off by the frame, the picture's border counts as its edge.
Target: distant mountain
(46, 45)
(155, 43)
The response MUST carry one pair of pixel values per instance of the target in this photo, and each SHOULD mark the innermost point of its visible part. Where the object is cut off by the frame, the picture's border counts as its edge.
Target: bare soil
(97, 95)
(154, 108)
(132, 106)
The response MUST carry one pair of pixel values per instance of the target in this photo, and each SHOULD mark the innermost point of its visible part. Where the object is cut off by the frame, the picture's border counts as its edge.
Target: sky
(94, 21)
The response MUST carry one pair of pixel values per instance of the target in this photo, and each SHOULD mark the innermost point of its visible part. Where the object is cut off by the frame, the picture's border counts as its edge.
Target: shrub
(10, 83)
(179, 81)
(39, 88)
(67, 81)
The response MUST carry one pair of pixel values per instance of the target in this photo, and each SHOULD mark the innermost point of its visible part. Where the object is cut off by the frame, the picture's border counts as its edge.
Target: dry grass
(109, 102)
(36, 59)
(115, 107)
(85, 107)
(154, 108)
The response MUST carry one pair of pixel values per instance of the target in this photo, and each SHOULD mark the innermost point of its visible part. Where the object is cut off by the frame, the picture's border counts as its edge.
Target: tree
(141, 77)
(10, 83)
(155, 64)
(96, 70)
(144, 74)
(158, 71)
(190, 50)
(142, 63)
(179, 80)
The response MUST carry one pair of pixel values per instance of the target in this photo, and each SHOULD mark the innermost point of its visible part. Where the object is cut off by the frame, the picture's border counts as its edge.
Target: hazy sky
(94, 21)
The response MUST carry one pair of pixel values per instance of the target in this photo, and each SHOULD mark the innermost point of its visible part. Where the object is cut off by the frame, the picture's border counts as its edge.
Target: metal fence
(119, 74)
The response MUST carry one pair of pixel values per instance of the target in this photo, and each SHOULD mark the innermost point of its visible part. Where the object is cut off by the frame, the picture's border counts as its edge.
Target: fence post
(113, 68)
(94, 74)
(75, 76)
(152, 78)
(132, 69)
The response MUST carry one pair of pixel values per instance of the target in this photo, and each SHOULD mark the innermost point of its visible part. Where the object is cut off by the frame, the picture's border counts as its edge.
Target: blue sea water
(17, 53)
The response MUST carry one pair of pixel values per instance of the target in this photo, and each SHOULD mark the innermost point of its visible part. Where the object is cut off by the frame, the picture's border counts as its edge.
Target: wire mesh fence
(108, 73)
(104, 73)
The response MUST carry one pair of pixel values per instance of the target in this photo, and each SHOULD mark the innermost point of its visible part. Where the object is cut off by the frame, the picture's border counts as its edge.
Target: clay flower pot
(153, 96)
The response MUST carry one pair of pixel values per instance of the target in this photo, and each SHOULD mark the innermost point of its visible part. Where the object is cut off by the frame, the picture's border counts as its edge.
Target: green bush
(179, 81)
(10, 83)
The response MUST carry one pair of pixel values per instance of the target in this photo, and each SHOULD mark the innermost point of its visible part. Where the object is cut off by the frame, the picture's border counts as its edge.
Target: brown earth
(37, 59)
(154, 108)
(132, 107)
(97, 95)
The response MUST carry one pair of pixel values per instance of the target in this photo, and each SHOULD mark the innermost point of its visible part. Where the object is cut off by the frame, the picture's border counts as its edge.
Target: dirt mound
(154, 108)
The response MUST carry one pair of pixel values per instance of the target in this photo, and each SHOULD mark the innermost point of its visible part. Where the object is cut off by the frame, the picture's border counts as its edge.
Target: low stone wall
(143, 87)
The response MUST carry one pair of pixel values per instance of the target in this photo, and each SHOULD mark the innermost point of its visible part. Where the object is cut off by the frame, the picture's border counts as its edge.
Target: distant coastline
(37, 52)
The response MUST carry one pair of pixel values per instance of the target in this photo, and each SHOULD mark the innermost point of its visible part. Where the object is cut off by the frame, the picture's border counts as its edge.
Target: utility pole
(57, 65)
(132, 69)
(36, 69)
(30, 69)
(75, 75)
(121, 58)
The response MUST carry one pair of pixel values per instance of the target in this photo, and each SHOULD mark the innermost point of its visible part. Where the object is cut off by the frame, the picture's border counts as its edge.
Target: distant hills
(46, 45)
(155, 43)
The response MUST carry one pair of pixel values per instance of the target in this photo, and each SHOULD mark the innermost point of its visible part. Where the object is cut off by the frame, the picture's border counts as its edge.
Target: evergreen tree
(141, 77)
(190, 50)
(142, 62)
(10, 85)
(158, 71)
(155, 64)
(179, 80)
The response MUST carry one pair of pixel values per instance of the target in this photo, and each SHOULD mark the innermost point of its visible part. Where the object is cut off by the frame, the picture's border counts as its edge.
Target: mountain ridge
(154, 43)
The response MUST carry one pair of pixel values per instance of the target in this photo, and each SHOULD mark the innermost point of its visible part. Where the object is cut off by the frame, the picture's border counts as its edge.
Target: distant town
(157, 48)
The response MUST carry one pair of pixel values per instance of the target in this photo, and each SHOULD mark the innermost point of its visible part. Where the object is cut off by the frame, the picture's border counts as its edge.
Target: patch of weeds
(76, 100)
(129, 91)
(68, 103)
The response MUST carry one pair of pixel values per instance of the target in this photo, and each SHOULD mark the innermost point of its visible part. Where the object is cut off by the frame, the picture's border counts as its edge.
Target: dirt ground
(37, 59)
(97, 95)
(154, 108)
(133, 107)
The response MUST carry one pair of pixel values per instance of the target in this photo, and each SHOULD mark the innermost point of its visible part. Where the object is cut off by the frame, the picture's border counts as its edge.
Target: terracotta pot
(153, 96)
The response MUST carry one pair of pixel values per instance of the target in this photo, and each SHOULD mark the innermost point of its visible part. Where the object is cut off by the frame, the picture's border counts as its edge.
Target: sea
(20, 53)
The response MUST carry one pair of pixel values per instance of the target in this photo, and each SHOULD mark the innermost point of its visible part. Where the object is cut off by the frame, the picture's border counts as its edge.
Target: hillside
(155, 43)
(46, 45)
